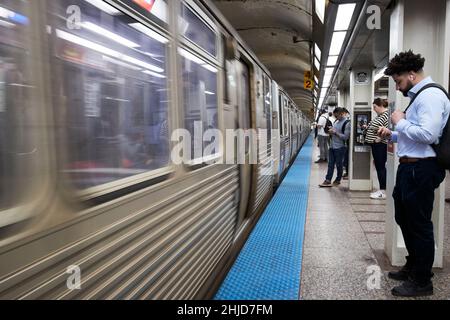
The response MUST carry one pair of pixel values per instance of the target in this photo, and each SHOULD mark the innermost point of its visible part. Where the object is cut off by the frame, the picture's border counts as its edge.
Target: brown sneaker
(336, 183)
(325, 184)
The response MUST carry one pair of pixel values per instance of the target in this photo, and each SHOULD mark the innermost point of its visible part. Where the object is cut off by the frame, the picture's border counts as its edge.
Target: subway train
(91, 204)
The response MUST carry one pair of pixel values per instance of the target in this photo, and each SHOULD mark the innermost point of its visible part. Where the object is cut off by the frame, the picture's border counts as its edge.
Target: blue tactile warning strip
(269, 265)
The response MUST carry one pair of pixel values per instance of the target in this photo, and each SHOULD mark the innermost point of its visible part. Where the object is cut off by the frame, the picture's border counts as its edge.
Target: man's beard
(410, 86)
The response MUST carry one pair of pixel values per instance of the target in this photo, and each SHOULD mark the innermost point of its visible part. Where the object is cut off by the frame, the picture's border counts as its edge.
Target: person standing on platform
(378, 145)
(323, 137)
(337, 149)
(347, 145)
(419, 174)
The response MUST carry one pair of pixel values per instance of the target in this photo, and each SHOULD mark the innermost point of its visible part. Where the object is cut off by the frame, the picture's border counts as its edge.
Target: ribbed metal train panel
(141, 254)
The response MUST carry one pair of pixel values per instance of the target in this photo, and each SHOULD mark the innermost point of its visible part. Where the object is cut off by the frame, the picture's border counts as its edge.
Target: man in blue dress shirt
(418, 174)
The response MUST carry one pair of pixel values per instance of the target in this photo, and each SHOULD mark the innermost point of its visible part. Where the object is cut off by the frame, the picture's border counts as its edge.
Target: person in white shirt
(323, 137)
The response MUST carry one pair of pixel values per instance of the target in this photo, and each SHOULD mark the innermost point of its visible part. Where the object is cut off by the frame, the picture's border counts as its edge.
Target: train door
(286, 132)
(281, 138)
(244, 116)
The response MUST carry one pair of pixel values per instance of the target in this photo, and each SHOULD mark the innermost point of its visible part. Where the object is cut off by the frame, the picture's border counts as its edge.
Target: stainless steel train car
(91, 204)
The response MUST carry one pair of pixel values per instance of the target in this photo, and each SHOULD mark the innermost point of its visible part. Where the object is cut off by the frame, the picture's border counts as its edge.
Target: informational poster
(91, 98)
(362, 123)
(308, 82)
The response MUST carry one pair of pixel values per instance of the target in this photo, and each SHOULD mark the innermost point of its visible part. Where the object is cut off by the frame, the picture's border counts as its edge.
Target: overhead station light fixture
(337, 42)
(380, 74)
(108, 34)
(104, 7)
(320, 9)
(317, 63)
(344, 16)
(329, 71)
(332, 61)
(317, 52)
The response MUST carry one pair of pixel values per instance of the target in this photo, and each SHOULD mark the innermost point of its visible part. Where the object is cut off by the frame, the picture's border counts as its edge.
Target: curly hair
(381, 102)
(405, 62)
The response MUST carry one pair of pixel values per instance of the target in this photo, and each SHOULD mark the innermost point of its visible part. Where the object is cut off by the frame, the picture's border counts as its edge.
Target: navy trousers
(379, 152)
(336, 158)
(413, 199)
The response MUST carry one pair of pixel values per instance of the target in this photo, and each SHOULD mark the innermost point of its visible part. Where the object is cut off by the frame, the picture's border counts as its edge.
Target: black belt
(413, 160)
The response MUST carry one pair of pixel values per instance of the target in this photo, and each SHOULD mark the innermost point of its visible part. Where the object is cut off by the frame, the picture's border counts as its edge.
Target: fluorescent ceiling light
(108, 34)
(329, 71)
(104, 7)
(149, 32)
(320, 9)
(317, 52)
(337, 42)
(327, 78)
(104, 50)
(154, 74)
(380, 74)
(120, 63)
(344, 16)
(6, 24)
(317, 64)
(332, 60)
(13, 16)
(196, 60)
(213, 94)
(142, 64)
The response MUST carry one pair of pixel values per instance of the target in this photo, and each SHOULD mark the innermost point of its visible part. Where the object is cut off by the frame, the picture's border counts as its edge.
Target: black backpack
(328, 125)
(443, 148)
(344, 125)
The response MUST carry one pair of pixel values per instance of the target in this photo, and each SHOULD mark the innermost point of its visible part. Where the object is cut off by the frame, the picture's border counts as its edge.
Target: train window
(194, 29)
(200, 100)
(110, 76)
(18, 108)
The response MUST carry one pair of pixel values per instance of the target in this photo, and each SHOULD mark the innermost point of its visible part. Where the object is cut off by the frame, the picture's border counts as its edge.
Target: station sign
(308, 81)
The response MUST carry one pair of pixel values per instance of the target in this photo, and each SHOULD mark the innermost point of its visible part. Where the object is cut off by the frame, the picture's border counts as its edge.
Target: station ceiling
(280, 34)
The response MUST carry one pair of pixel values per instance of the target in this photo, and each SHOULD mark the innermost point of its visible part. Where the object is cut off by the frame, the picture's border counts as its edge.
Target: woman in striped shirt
(379, 146)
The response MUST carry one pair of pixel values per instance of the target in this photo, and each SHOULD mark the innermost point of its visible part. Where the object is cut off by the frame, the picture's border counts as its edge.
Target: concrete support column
(360, 106)
(344, 98)
(424, 28)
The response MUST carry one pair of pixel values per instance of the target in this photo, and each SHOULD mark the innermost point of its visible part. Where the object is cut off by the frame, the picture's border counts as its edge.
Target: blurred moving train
(88, 96)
